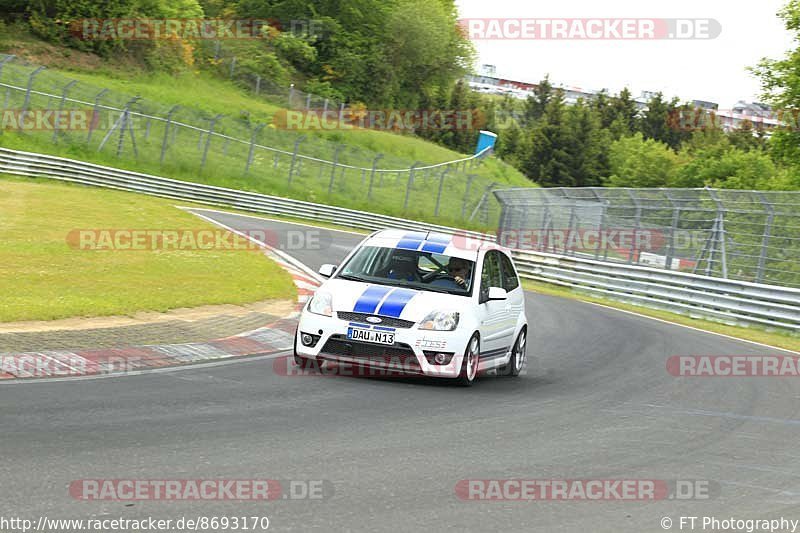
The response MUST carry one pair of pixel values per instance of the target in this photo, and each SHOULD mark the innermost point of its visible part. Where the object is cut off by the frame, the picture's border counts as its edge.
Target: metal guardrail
(730, 301)
(48, 166)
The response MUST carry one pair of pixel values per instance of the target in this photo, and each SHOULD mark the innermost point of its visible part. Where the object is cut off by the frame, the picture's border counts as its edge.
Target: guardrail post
(308, 101)
(294, 158)
(410, 183)
(439, 193)
(95, 111)
(166, 133)
(325, 108)
(258, 84)
(252, 147)
(64, 92)
(210, 133)
(233, 66)
(27, 101)
(372, 175)
(334, 164)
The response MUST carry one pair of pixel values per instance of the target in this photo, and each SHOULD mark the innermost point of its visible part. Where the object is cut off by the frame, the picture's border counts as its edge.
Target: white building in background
(761, 116)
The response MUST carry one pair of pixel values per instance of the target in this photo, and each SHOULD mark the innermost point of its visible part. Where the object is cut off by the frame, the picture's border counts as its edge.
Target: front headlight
(440, 321)
(321, 304)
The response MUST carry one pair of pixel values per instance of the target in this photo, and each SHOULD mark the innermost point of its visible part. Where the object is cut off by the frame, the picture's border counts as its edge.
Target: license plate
(370, 335)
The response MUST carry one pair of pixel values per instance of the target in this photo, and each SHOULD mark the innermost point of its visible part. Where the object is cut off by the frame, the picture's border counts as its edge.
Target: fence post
(482, 200)
(166, 133)
(60, 107)
(123, 124)
(252, 147)
(95, 109)
(439, 194)
(28, 95)
(291, 94)
(335, 163)
(258, 84)
(720, 231)
(410, 183)
(308, 101)
(762, 256)
(211, 124)
(233, 65)
(372, 175)
(470, 177)
(294, 158)
(4, 61)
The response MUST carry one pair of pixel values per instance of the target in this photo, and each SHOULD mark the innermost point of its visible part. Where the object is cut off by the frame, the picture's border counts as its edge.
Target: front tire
(469, 364)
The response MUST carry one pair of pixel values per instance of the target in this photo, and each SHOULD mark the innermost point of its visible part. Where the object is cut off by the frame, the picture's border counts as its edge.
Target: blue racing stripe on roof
(411, 240)
(409, 244)
(440, 238)
(433, 247)
(396, 302)
(369, 299)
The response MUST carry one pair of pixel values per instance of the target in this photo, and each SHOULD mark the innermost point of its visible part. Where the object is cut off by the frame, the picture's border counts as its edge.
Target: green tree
(639, 162)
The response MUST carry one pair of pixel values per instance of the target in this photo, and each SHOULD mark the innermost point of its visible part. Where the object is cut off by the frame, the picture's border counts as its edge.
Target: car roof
(450, 244)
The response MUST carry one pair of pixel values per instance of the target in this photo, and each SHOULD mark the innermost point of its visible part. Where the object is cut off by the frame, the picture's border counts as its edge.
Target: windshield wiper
(348, 277)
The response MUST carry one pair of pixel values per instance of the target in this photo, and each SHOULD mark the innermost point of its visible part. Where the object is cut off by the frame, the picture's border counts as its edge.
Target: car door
(516, 296)
(493, 313)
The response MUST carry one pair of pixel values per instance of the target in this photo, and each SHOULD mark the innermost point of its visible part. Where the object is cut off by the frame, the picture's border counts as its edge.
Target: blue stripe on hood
(369, 299)
(396, 301)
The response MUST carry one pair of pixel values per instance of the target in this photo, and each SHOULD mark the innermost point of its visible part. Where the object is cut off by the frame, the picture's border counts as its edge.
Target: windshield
(410, 268)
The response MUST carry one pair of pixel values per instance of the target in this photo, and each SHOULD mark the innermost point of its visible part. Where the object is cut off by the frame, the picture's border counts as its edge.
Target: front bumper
(406, 356)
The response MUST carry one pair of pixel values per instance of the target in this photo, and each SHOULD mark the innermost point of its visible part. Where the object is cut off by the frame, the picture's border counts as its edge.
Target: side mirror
(497, 293)
(327, 270)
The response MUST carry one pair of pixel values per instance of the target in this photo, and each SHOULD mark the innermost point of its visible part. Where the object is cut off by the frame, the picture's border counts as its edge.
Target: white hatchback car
(420, 303)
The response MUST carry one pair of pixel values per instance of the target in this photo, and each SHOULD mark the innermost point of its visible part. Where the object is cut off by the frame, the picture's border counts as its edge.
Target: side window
(510, 281)
(490, 274)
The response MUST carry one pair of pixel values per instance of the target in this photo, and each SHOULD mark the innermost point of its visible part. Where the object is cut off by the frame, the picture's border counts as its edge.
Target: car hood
(398, 302)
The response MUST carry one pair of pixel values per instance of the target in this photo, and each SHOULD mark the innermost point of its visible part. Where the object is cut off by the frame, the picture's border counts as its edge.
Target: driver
(458, 269)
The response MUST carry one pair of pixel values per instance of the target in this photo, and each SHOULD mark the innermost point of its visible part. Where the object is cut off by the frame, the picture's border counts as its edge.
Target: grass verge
(43, 278)
(755, 334)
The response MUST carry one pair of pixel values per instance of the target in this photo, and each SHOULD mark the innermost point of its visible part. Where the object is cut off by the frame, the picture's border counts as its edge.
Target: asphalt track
(596, 402)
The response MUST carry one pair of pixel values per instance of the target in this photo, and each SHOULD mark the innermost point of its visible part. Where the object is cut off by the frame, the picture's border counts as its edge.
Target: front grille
(397, 354)
(385, 320)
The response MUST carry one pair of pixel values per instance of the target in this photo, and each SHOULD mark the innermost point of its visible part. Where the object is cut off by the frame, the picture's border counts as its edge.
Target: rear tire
(518, 356)
(469, 364)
